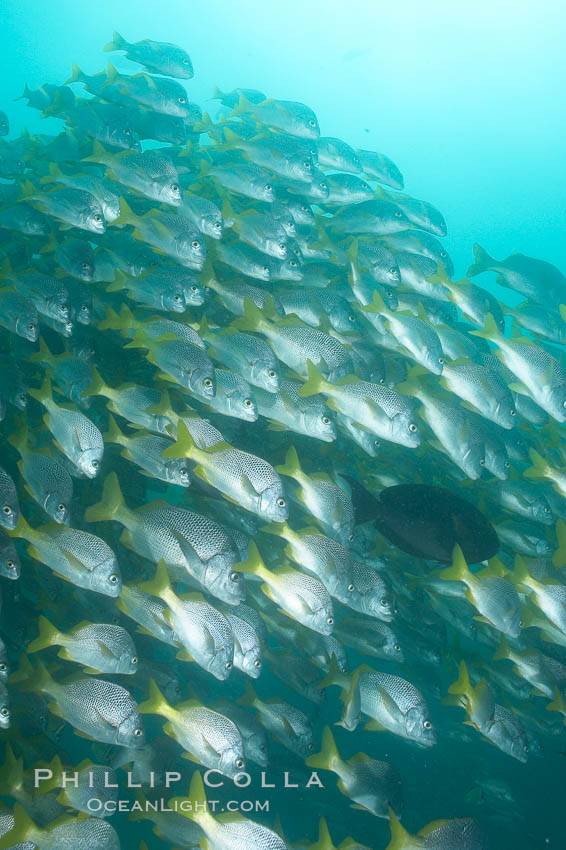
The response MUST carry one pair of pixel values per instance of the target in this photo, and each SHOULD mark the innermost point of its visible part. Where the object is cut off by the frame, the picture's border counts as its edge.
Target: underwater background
(467, 99)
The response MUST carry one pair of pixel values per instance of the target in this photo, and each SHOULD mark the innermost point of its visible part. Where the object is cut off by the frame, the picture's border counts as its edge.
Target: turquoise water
(467, 100)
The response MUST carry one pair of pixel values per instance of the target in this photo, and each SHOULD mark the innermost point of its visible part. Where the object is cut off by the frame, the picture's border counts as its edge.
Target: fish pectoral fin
(374, 726)
(190, 757)
(104, 651)
(389, 704)
(247, 487)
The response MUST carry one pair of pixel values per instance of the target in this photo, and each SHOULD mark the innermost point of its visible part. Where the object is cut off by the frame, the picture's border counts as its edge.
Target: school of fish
(211, 329)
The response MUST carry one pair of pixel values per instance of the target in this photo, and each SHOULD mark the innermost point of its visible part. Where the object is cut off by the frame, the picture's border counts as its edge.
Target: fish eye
(521, 624)
(268, 187)
(4, 711)
(228, 665)
(441, 361)
(383, 601)
(330, 621)
(207, 382)
(281, 502)
(376, 443)
(31, 326)
(393, 270)
(312, 122)
(97, 217)
(185, 61)
(218, 225)
(526, 748)
(85, 267)
(95, 464)
(272, 373)
(113, 579)
(3, 667)
(248, 402)
(195, 244)
(7, 510)
(513, 412)
(257, 663)
(482, 462)
(547, 510)
(183, 471)
(138, 732)
(397, 213)
(427, 724)
(412, 428)
(564, 403)
(126, 131)
(240, 763)
(234, 576)
(194, 288)
(282, 245)
(443, 254)
(263, 748)
(181, 99)
(292, 263)
(84, 308)
(350, 538)
(310, 747)
(397, 647)
(174, 187)
(326, 420)
(307, 165)
(10, 565)
(324, 185)
(177, 298)
(350, 588)
(61, 507)
(507, 465)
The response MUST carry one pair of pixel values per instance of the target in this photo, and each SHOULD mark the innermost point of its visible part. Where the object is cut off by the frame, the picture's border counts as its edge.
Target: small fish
(287, 724)
(463, 833)
(536, 279)
(157, 56)
(208, 737)
(102, 648)
(9, 503)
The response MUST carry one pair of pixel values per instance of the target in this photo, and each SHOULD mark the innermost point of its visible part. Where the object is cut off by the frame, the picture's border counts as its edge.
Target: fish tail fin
(490, 330)
(502, 650)
(127, 215)
(43, 355)
(26, 92)
(333, 677)
(562, 308)
(254, 565)
(253, 319)
(328, 755)
(539, 468)
(242, 107)
(459, 570)
(184, 446)
(315, 381)
(559, 557)
(520, 574)
(53, 174)
(120, 282)
(292, 466)
(99, 154)
(377, 305)
(77, 75)
(117, 43)
(199, 808)
(249, 699)
(11, 772)
(111, 322)
(48, 635)
(43, 394)
(97, 386)
(160, 582)
(19, 437)
(462, 686)
(23, 830)
(114, 435)
(155, 703)
(400, 838)
(36, 679)
(482, 261)
(557, 703)
(110, 503)
(217, 93)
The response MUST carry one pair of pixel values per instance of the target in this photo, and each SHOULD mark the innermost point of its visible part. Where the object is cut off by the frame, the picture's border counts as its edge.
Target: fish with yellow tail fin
(102, 648)
(245, 479)
(208, 737)
(67, 834)
(460, 833)
(228, 831)
(382, 410)
(302, 597)
(497, 723)
(372, 785)
(549, 594)
(204, 633)
(494, 597)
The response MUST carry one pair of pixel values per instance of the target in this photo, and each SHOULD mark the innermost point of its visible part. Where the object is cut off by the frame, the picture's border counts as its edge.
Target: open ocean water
(267, 420)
